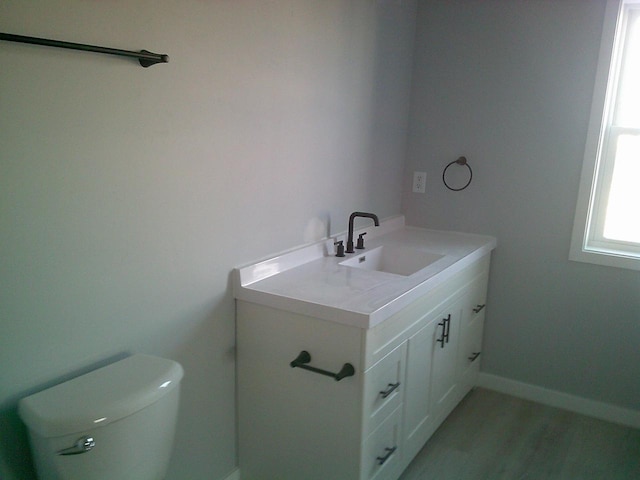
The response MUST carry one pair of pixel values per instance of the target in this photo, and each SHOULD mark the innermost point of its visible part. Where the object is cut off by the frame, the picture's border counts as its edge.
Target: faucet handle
(360, 243)
(340, 249)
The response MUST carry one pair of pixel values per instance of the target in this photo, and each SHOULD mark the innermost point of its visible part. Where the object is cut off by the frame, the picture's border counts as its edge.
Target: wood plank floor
(491, 436)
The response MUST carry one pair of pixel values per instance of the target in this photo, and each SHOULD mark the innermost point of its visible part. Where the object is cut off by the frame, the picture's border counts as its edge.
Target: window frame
(587, 242)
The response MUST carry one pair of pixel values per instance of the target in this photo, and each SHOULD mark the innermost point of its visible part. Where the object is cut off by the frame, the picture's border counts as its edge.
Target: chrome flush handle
(82, 445)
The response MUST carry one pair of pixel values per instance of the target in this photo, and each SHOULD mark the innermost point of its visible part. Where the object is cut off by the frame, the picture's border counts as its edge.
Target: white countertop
(311, 281)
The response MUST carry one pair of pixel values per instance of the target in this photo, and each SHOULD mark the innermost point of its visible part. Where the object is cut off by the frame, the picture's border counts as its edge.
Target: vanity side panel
(293, 423)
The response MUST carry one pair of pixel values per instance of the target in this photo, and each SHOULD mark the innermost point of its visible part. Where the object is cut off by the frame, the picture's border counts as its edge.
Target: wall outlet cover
(419, 182)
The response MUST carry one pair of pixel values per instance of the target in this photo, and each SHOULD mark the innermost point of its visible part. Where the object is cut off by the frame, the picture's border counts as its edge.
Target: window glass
(628, 103)
(622, 220)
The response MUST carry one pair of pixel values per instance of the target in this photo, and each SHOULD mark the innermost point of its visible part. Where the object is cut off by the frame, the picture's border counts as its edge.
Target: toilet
(114, 423)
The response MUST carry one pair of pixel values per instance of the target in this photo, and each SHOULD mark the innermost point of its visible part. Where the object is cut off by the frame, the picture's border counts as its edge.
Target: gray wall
(509, 85)
(127, 195)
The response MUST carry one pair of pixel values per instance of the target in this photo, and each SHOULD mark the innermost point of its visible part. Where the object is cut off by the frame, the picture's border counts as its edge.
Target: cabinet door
(418, 422)
(444, 382)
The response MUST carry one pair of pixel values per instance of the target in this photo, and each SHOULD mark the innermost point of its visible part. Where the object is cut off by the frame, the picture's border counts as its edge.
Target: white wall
(127, 195)
(509, 85)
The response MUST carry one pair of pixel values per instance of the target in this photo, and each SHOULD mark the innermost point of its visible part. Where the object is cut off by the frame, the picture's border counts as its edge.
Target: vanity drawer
(470, 349)
(381, 452)
(383, 388)
(477, 298)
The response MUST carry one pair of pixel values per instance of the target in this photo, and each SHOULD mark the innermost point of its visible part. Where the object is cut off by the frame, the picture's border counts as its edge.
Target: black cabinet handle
(473, 356)
(446, 329)
(304, 357)
(390, 390)
(389, 452)
(479, 307)
(441, 340)
(448, 326)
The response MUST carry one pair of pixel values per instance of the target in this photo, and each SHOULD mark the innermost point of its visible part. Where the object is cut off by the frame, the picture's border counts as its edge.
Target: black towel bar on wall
(304, 357)
(145, 57)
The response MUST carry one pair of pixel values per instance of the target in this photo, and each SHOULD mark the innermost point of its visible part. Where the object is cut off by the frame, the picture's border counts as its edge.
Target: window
(606, 229)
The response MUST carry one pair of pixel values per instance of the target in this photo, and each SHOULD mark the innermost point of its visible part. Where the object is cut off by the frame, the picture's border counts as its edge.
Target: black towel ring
(459, 161)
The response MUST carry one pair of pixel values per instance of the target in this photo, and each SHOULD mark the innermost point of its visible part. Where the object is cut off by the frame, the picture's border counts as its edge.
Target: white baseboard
(235, 475)
(553, 398)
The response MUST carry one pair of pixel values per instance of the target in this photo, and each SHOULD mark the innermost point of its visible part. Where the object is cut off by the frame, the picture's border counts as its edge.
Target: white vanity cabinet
(411, 370)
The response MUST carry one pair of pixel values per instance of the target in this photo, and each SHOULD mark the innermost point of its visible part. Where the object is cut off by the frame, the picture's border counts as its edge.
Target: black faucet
(351, 219)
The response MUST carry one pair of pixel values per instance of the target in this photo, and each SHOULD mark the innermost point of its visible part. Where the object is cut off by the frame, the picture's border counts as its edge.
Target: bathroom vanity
(346, 366)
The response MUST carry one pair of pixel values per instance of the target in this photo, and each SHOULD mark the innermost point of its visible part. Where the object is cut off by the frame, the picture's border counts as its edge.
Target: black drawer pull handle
(473, 356)
(390, 390)
(304, 357)
(479, 307)
(389, 452)
(448, 320)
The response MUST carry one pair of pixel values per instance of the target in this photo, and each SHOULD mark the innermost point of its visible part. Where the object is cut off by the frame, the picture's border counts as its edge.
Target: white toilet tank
(114, 423)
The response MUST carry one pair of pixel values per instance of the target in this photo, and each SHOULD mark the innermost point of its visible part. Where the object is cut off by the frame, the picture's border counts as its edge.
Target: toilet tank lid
(100, 397)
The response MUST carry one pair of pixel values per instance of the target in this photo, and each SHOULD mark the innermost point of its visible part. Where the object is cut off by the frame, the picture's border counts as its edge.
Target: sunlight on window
(622, 221)
(628, 107)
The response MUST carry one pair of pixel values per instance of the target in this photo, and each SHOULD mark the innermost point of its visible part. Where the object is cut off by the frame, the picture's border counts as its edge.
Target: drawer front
(477, 298)
(381, 453)
(470, 354)
(384, 388)
(470, 350)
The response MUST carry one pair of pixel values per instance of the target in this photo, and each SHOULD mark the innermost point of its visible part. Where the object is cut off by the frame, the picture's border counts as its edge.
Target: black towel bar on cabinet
(304, 357)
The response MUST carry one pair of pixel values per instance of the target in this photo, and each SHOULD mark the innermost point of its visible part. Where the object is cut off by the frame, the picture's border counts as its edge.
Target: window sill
(606, 257)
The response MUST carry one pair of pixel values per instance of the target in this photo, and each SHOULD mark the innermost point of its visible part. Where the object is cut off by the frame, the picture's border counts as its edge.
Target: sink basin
(391, 259)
